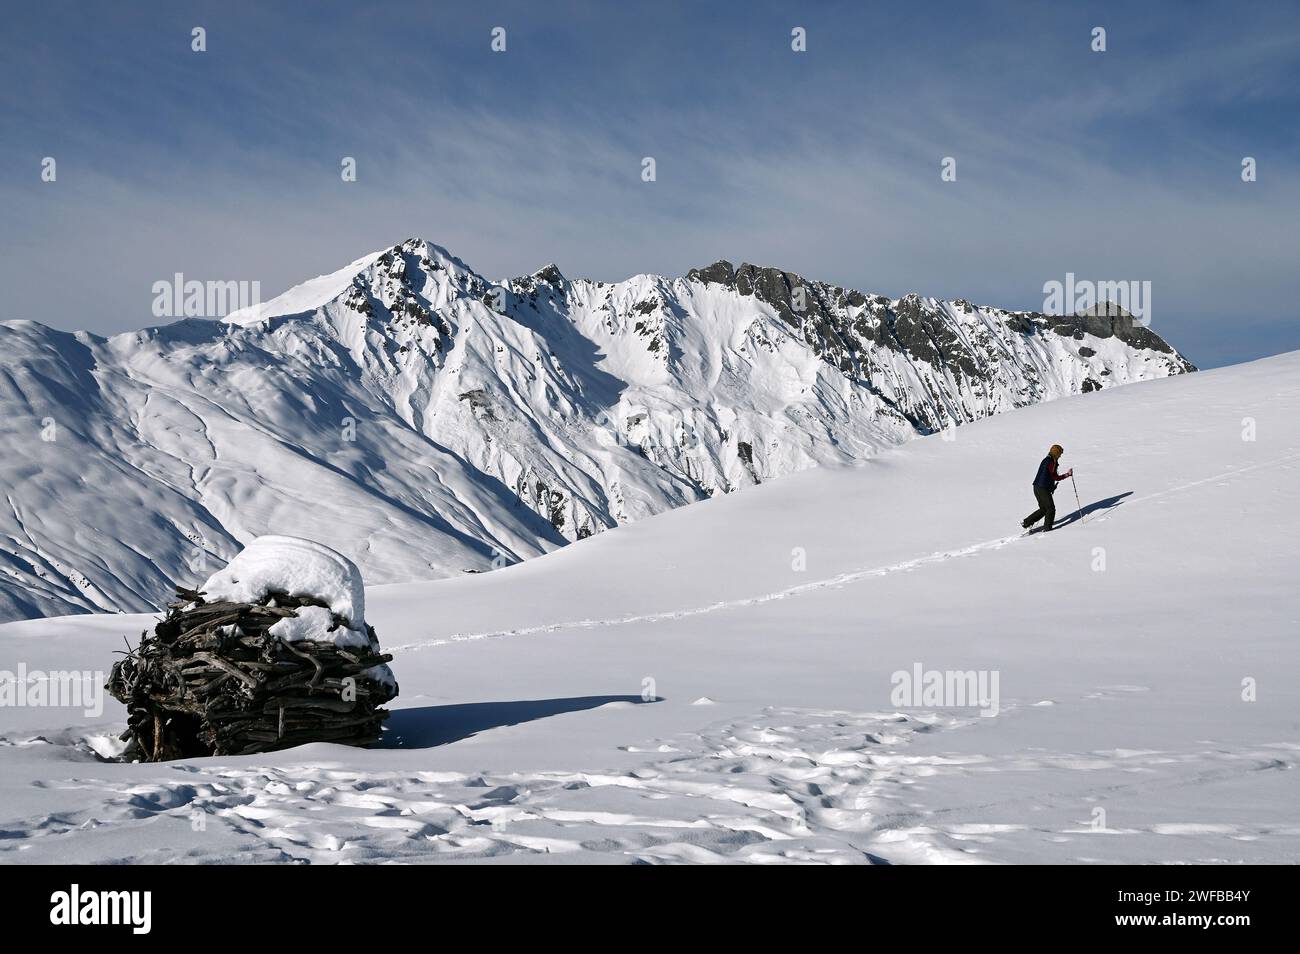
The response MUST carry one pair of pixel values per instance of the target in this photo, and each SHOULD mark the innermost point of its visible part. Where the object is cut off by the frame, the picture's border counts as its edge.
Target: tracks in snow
(782, 785)
(842, 579)
(785, 784)
(830, 582)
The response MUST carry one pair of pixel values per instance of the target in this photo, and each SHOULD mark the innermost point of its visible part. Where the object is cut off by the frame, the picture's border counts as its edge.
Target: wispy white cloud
(1119, 168)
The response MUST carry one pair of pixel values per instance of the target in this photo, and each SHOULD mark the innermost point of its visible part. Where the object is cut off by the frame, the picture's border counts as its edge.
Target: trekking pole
(1078, 506)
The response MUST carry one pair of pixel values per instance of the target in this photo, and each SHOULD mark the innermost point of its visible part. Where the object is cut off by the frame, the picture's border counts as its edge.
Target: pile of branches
(211, 680)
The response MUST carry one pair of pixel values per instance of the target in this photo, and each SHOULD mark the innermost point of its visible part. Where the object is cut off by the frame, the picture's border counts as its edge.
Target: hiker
(1044, 486)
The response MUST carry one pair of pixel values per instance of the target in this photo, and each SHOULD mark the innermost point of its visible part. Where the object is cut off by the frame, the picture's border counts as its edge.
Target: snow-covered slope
(437, 422)
(1146, 708)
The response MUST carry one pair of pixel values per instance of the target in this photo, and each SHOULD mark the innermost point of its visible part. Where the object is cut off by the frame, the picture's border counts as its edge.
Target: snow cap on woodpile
(296, 567)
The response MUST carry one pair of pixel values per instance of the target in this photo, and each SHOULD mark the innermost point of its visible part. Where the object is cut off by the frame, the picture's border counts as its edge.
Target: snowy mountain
(1144, 709)
(436, 422)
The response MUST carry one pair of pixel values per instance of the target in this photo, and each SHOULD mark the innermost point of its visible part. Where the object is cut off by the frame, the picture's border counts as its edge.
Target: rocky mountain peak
(438, 418)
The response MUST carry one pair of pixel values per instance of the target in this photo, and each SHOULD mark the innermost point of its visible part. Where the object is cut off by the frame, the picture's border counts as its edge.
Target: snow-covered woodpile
(272, 651)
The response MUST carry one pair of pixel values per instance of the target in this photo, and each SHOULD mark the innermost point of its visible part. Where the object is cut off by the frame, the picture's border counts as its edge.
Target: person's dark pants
(1046, 508)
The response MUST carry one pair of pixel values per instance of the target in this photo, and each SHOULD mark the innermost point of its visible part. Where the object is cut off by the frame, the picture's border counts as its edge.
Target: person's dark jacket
(1047, 476)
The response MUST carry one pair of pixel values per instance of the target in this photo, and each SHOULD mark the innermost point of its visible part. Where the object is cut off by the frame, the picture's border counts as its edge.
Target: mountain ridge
(426, 420)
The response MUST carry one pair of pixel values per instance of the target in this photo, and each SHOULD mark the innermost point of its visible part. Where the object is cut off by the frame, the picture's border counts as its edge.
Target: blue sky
(225, 164)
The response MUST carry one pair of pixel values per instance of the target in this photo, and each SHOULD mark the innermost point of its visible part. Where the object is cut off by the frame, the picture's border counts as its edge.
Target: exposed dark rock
(745, 452)
(551, 275)
(720, 272)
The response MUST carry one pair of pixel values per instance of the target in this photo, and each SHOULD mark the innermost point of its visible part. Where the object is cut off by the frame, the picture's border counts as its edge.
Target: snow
(303, 298)
(1127, 647)
(314, 623)
(304, 568)
(433, 435)
(296, 567)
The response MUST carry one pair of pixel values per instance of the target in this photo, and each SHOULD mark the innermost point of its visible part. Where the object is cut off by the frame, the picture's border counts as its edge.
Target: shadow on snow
(1109, 503)
(427, 726)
